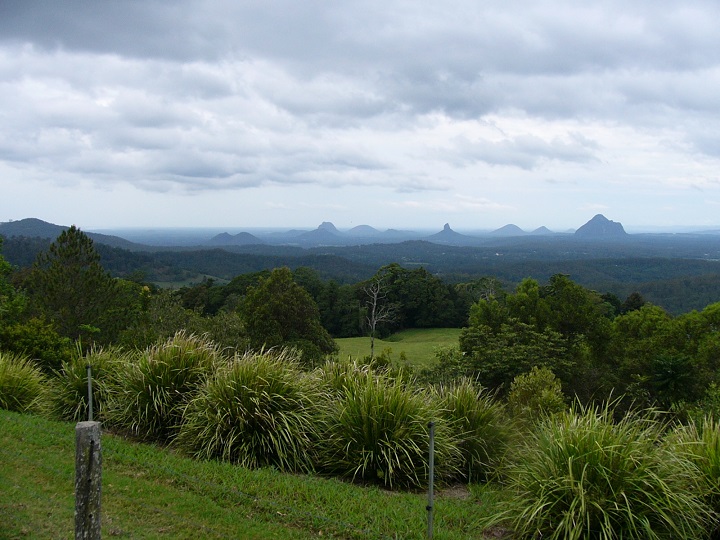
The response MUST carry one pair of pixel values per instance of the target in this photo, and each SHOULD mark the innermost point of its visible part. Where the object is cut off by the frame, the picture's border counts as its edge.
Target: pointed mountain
(448, 236)
(542, 231)
(509, 230)
(601, 227)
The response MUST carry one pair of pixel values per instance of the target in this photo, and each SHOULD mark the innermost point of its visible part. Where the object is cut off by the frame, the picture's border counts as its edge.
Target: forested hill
(678, 272)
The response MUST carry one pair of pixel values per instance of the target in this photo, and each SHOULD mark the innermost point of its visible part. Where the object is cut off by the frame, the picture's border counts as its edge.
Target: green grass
(151, 492)
(418, 345)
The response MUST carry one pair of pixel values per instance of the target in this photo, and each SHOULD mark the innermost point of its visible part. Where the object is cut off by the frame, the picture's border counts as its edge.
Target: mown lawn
(151, 492)
(419, 345)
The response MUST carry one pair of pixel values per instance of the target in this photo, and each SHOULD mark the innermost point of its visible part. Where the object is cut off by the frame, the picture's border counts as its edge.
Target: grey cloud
(525, 152)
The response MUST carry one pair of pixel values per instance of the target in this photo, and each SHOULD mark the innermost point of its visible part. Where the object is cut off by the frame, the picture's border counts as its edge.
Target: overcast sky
(225, 113)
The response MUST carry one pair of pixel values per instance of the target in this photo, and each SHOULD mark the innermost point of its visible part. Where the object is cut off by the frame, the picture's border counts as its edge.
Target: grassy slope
(418, 345)
(150, 492)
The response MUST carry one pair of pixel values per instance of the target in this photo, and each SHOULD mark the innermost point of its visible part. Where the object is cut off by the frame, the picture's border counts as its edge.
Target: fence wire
(66, 475)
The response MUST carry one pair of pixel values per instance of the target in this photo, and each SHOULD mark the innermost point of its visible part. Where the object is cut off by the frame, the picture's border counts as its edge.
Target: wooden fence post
(88, 480)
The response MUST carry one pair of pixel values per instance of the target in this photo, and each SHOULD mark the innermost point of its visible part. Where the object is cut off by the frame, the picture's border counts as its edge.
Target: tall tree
(280, 313)
(72, 290)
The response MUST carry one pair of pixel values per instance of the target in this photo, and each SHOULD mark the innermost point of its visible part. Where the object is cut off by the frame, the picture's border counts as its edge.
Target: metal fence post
(431, 480)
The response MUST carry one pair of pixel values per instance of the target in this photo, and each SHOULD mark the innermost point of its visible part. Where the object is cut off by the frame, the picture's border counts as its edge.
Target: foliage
(376, 430)
(257, 411)
(153, 391)
(21, 383)
(70, 287)
(497, 357)
(535, 394)
(582, 475)
(480, 424)
(12, 303)
(37, 339)
(280, 313)
(67, 396)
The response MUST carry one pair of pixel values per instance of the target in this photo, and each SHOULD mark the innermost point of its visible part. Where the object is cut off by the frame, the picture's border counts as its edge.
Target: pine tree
(71, 288)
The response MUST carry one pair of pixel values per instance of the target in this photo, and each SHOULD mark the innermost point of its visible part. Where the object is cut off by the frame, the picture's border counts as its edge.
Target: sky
(394, 114)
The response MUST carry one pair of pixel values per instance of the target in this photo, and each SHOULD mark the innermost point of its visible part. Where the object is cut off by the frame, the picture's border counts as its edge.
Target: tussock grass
(153, 390)
(481, 426)
(376, 430)
(701, 445)
(582, 475)
(67, 396)
(21, 383)
(257, 411)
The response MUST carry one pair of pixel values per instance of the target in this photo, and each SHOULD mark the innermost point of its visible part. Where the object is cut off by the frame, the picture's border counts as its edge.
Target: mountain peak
(601, 227)
(446, 227)
(328, 226)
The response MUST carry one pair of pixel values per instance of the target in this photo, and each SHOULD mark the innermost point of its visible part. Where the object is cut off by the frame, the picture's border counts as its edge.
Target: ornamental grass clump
(480, 425)
(582, 475)
(376, 430)
(259, 410)
(67, 396)
(22, 384)
(701, 445)
(153, 390)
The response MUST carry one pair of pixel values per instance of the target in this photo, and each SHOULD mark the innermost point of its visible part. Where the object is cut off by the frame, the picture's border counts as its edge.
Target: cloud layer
(380, 112)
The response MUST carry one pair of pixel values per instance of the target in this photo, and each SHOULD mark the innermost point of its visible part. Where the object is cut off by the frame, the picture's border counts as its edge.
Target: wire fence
(286, 514)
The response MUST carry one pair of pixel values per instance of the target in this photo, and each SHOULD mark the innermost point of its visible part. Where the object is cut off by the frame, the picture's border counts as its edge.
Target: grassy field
(418, 345)
(151, 492)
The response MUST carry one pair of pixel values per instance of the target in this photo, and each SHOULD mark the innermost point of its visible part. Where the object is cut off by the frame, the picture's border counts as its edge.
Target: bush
(480, 425)
(536, 394)
(21, 383)
(257, 411)
(376, 430)
(68, 390)
(37, 339)
(153, 391)
(581, 475)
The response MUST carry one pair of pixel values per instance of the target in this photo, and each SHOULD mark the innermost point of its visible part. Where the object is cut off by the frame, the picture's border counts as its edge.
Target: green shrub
(67, 397)
(536, 394)
(153, 391)
(581, 475)
(480, 425)
(21, 383)
(376, 430)
(257, 411)
(37, 339)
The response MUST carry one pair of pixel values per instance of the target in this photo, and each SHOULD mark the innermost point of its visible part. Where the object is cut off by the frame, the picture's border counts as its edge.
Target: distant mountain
(240, 239)
(601, 227)
(31, 228)
(37, 228)
(448, 236)
(363, 231)
(329, 227)
(509, 230)
(542, 231)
